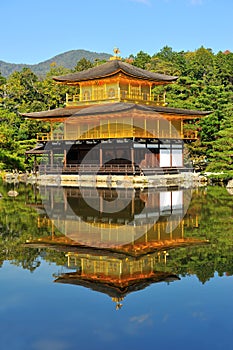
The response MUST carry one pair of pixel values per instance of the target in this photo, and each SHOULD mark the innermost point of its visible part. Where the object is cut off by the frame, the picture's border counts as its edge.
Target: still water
(115, 269)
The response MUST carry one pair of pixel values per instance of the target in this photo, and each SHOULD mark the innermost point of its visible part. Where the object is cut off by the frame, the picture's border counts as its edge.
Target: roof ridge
(110, 68)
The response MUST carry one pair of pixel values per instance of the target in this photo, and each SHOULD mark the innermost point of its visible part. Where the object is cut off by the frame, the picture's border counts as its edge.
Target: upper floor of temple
(115, 81)
(116, 100)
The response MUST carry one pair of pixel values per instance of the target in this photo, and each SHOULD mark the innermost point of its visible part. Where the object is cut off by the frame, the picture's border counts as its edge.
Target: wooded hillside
(67, 59)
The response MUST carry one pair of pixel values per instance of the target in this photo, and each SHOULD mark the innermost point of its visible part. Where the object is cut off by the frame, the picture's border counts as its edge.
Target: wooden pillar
(79, 131)
(109, 136)
(164, 98)
(65, 201)
(159, 231)
(165, 256)
(145, 131)
(132, 159)
(51, 158)
(101, 204)
(101, 156)
(51, 131)
(35, 164)
(105, 91)
(52, 229)
(64, 159)
(182, 154)
(132, 205)
(171, 153)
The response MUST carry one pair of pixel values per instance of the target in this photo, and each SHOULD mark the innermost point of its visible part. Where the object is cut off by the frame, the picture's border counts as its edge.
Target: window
(111, 93)
(86, 95)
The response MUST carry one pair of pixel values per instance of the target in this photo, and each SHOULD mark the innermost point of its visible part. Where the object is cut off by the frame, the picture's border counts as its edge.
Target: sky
(34, 31)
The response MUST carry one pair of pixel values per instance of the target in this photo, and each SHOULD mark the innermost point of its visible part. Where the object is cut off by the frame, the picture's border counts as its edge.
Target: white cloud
(139, 319)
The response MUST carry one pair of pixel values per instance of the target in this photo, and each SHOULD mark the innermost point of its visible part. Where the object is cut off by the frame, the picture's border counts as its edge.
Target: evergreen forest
(205, 83)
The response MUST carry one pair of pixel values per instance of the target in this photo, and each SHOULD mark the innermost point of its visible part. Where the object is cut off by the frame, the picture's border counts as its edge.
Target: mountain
(67, 59)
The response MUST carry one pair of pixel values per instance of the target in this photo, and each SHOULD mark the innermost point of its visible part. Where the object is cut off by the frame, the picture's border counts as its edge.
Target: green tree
(141, 60)
(83, 64)
(220, 152)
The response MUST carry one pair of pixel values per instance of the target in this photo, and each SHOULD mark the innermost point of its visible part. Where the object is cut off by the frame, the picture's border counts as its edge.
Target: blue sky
(33, 31)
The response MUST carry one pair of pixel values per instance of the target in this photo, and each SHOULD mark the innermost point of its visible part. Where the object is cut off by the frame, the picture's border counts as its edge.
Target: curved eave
(115, 290)
(63, 80)
(110, 69)
(180, 112)
(49, 115)
(60, 114)
(121, 107)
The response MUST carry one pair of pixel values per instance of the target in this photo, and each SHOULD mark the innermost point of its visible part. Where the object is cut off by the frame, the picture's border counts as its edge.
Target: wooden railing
(109, 169)
(82, 169)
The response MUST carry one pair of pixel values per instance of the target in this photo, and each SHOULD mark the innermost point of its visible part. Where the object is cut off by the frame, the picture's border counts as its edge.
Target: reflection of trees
(18, 223)
(215, 208)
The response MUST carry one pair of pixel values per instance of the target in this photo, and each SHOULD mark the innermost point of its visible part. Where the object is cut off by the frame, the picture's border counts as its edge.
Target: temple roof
(111, 68)
(124, 107)
(69, 244)
(107, 108)
(51, 113)
(37, 150)
(116, 290)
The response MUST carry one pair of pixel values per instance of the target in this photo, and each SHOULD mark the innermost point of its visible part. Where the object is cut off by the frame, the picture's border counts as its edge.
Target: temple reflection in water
(116, 242)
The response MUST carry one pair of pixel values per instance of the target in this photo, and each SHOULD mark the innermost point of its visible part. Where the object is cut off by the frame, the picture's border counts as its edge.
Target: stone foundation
(185, 180)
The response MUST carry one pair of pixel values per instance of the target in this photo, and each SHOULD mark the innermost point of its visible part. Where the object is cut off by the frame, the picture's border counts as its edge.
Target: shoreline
(184, 180)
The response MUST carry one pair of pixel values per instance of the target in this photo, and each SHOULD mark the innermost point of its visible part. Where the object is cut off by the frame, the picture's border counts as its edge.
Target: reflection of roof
(116, 289)
(118, 107)
(111, 68)
(67, 244)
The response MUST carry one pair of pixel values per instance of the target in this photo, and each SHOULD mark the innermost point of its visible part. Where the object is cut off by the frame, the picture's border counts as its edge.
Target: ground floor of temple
(110, 156)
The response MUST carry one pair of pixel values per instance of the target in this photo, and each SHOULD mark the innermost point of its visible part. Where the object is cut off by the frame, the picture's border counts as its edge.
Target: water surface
(116, 269)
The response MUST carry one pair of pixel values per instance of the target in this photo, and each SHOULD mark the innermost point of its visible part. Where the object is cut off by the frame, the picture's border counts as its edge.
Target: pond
(85, 268)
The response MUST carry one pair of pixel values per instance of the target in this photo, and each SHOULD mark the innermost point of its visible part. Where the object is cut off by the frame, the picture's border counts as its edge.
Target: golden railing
(90, 135)
(122, 95)
(48, 136)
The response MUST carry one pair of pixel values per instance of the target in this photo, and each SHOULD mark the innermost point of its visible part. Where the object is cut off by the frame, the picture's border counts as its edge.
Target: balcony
(96, 134)
(48, 136)
(115, 96)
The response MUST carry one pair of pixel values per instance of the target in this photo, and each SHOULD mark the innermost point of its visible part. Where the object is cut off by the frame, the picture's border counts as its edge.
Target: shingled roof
(119, 107)
(120, 288)
(108, 108)
(51, 113)
(111, 68)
